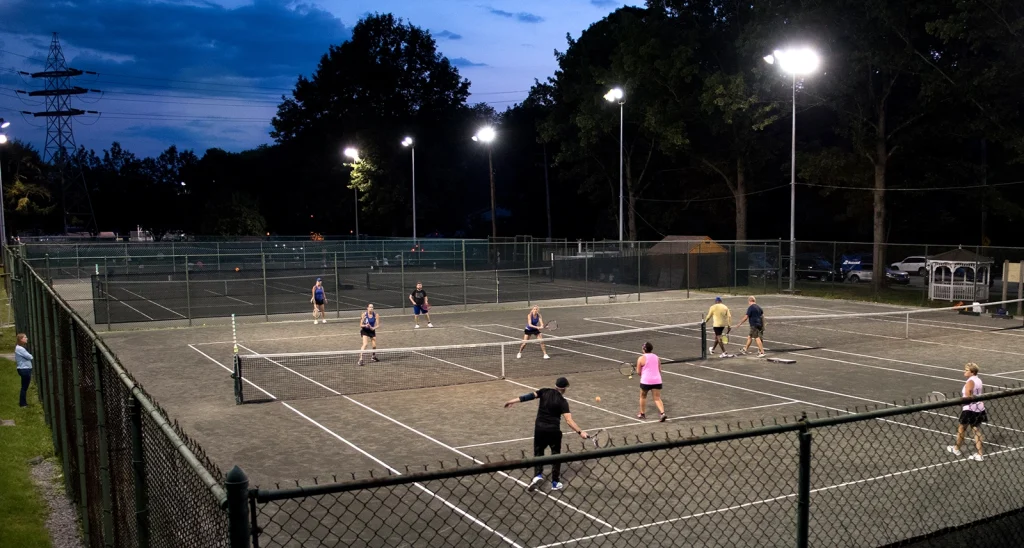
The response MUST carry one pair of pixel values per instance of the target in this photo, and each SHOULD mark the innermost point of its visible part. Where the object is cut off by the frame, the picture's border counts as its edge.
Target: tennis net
(264, 377)
(476, 279)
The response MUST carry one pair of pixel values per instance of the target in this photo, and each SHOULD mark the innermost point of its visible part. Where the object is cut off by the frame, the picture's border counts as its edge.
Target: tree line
(910, 131)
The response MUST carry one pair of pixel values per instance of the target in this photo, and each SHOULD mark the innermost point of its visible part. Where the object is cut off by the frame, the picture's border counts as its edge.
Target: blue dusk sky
(209, 73)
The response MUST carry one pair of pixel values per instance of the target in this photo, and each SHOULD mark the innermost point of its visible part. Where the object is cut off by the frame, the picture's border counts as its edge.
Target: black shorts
(719, 331)
(973, 418)
(531, 331)
(367, 332)
(646, 387)
(319, 302)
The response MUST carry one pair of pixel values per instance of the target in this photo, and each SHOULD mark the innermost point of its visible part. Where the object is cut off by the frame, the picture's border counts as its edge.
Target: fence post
(174, 260)
(104, 450)
(1020, 289)
(53, 333)
(803, 504)
(266, 306)
(236, 483)
(139, 473)
(465, 299)
(401, 261)
(529, 274)
(76, 377)
(48, 277)
(188, 292)
(344, 253)
(337, 288)
(106, 289)
(78, 264)
(638, 272)
(125, 258)
(586, 278)
(688, 270)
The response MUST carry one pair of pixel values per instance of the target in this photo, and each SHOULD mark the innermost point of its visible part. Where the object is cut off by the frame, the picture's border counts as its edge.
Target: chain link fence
(845, 478)
(134, 477)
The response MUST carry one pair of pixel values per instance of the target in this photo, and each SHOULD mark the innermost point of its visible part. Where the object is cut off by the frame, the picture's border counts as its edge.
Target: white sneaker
(417, 326)
(546, 357)
(711, 350)
(743, 351)
(314, 322)
(760, 354)
(976, 457)
(535, 483)
(723, 355)
(323, 321)
(953, 450)
(557, 486)
(430, 324)
(519, 355)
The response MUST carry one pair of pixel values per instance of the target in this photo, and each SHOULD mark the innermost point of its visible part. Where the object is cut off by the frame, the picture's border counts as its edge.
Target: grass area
(23, 511)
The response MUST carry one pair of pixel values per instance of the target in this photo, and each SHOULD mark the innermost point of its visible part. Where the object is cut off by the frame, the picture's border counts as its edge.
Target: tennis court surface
(724, 470)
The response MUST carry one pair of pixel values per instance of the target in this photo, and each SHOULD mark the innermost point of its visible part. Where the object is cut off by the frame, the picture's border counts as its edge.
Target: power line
(925, 189)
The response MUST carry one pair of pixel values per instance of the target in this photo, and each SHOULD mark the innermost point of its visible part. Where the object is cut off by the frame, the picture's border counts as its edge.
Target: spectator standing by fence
(23, 360)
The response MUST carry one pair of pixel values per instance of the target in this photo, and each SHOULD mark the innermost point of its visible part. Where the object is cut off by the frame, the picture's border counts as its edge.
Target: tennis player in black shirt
(547, 431)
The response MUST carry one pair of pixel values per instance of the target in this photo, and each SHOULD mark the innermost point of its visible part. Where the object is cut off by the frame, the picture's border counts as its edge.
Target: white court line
(627, 425)
(442, 444)
(919, 321)
(153, 302)
(772, 499)
(333, 321)
(454, 508)
(229, 297)
(107, 293)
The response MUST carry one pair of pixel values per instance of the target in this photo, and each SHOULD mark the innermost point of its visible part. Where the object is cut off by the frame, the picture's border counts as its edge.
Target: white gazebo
(959, 275)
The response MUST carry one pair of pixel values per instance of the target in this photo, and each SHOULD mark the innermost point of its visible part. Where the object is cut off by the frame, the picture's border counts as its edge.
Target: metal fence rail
(135, 478)
(844, 479)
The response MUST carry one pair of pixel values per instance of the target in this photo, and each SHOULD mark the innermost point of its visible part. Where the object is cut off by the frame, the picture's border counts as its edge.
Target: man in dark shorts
(420, 304)
(547, 432)
(756, 316)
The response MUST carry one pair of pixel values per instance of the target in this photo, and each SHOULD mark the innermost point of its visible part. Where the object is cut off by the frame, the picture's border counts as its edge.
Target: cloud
(448, 35)
(462, 62)
(604, 3)
(522, 17)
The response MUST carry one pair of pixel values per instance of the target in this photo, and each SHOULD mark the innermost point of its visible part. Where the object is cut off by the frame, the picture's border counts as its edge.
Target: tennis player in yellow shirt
(720, 318)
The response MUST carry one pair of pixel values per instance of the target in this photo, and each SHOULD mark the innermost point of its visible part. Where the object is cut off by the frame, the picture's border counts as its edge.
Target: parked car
(814, 268)
(864, 275)
(916, 264)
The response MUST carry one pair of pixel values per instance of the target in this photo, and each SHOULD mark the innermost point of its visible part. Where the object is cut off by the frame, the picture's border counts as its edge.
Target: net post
(497, 294)
(907, 335)
(139, 473)
(586, 278)
(703, 339)
(337, 288)
(76, 381)
(266, 306)
(188, 292)
(465, 299)
(104, 449)
(401, 261)
(503, 361)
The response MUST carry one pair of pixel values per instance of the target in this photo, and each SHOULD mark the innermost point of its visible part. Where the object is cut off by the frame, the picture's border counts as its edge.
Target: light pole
(486, 136)
(4, 124)
(354, 155)
(407, 142)
(613, 95)
(795, 62)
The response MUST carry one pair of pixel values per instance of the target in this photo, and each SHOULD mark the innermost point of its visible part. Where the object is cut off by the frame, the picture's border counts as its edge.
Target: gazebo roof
(960, 255)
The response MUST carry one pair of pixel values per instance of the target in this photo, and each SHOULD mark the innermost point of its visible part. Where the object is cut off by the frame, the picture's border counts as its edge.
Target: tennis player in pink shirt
(648, 366)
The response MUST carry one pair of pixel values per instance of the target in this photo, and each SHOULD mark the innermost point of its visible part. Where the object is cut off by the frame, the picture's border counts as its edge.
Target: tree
(387, 82)
(28, 201)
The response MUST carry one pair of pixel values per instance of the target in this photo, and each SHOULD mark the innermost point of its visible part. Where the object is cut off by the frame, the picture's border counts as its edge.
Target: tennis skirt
(973, 418)
(646, 387)
(367, 332)
(531, 331)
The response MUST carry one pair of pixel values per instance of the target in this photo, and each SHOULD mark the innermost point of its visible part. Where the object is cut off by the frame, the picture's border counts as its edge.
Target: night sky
(201, 74)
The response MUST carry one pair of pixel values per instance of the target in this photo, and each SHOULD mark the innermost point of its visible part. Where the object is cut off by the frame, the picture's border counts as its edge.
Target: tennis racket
(425, 307)
(627, 369)
(936, 396)
(725, 337)
(596, 438)
(551, 326)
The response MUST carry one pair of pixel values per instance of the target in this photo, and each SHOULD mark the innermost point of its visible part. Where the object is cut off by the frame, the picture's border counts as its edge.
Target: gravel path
(63, 520)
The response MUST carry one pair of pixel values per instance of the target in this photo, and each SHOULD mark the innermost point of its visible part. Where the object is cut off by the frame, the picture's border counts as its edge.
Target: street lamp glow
(485, 135)
(3, 138)
(4, 124)
(407, 142)
(352, 153)
(613, 95)
(796, 62)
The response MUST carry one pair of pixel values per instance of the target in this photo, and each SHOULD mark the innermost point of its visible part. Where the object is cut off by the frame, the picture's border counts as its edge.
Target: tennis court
(327, 419)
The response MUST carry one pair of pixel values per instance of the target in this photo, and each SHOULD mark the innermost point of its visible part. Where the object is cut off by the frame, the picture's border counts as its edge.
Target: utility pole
(60, 138)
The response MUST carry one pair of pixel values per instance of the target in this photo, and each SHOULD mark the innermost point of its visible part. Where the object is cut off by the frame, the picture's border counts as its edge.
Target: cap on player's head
(562, 382)
(718, 299)
(319, 279)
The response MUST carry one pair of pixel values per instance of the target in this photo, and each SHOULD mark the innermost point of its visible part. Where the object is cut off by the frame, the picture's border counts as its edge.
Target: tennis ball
(597, 398)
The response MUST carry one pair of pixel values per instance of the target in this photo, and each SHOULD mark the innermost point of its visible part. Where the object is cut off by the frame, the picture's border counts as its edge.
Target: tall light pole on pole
(795, 62)
(4, 124)
(354, 155)
(407, 142)
(486, 136)
(612, 96)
